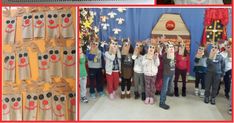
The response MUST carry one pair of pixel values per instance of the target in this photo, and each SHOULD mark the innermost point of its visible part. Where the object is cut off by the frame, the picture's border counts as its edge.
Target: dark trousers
(179, 72)
(200, 78)
(124, 83)
(212, 82)
(95, 74)
(227, 80)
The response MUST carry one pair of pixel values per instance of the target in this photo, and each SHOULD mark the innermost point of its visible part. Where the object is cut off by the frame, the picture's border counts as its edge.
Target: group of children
(154, 71)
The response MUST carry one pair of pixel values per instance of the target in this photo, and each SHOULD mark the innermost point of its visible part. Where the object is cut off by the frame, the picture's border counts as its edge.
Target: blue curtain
(139, 23)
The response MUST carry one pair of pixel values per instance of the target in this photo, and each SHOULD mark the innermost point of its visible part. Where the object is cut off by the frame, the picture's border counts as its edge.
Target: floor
(181, 108)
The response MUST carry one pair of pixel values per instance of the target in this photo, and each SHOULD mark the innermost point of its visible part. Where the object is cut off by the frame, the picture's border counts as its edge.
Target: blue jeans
(166, 80)
(95, 75)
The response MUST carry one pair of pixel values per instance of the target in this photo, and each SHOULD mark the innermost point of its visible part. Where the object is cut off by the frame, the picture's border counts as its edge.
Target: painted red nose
(73, 102)
(45, 102)
(58, 107)
(31, 103)
(43, 63)
(4, 106)
(26, 21)
(11, 62)
(51, 21)
(10, 26)
(66, 20)
(22, 60)
(16, 104)
(53, 57)
(39, 22)
(69, 58)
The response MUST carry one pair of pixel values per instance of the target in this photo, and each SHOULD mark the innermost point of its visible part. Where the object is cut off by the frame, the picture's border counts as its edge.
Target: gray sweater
(168, 66)
(94, 63)
(217, 65)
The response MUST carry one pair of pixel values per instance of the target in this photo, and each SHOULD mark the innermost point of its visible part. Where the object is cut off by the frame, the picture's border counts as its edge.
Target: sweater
(127, 66)
(138, 66)
(200, 65)
(217, 65)
(168, 66)
(94, 60)
(83, 72)
(182, 63)
(150, 67)
(109, 58)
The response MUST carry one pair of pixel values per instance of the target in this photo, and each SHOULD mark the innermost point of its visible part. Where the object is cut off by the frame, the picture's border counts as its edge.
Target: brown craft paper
(16, 107)
(66, 27)
(30, 107)
(9, 67)
(69, 62)
(55, 62)
(27, 26)
(52, 25)
(59, 107)
(71, 106)
(9, 30)
(45, 106)
(43, 67)
(23, 64)
(39, 25)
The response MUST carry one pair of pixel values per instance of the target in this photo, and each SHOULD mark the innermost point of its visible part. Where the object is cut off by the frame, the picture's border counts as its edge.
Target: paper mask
(52, 23)
(213, 52)
(16, 107)
(72, 106)
(23, 64)
(125, 47)
(59, 107)
(200, 52)
(39, 25)
(9, 67)
(113, 47)
(138, 48)
(170, 52)
(43, 67)
(55, 62)
(6, 110)
(150, 53)
(45, 110)
(27, 27)
(9, 32)
(30, 108)
(66, 24)
(181, 49)
(69, 62)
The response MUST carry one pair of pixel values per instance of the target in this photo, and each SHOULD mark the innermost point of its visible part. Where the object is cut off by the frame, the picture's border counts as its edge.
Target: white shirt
(150, 67)
(138, 66)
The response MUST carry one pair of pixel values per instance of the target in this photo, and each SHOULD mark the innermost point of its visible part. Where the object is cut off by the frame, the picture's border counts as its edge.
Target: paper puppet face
(55, 62)
(200, 52)
(125, 47)
(181, 49)
(9, 67)
(23, 64)
(72, 106)
(170, 51)
(16, 107)
(6, 107)
(69, 62)
(213, 52)
(52, 23)
(27, 27)
(39, 25)
(43, 61)
(30, 107)
(9, 32)
(138, 48)
(151, 49)
(54, 55)
(66, 24)
(113, 46)
(59, 107)
(45, 101)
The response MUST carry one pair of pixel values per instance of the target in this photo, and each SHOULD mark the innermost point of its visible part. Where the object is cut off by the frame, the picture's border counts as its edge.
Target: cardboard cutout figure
(72, 106)
(39, 25)
(55, 62)
(113, 46)
(30, 107)
(170, 51)
(200, 52)
(138, 49)
(125, 47)
(16, 107)
(23, 64)
(27, 26)
(52, 24)
(45, 104)
(43, 67)
(66, 20)
(214, 51)
(9, 30)
(6, 110)
(59, 107)
(9, 67)
(69, 62)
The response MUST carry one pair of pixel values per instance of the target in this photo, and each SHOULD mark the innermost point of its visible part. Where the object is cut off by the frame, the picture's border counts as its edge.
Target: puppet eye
(63, 15)
(35, 98)
(49, 16)
(62, 99)
(36, 17)
(6, 100)
(6, 59)
(13, 99)
(13, 21)
(65, 52)
(25, 54)
(25, 17)
(12, 57)
(69, 15)
(29, 97)
(51, 51)
(55, 98)
(49, 94)
(45, 56)
(56, 52)
(39, 57)
(20, 55)
(55, 15)
(41, 16)
(7, 22)
(18, 99)
(41, 96)
(70, 95)
(73, 51)
(30, 16)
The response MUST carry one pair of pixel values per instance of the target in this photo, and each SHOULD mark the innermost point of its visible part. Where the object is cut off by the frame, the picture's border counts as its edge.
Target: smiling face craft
(30, 106)
(27, 26)
(9, 67)
(151, 51)
(213, 52)
(52, 25)
(69, 62)
(66, 28)
(43, 67)
(9, 30)
(138, 48)
(16, 107)
(23, 64)
(181, 49)
(200, 52)
(39, 25)
(55, 67)
(45, 110)
(59, 107)
(71, 106)
(6, 110)
(170, 51)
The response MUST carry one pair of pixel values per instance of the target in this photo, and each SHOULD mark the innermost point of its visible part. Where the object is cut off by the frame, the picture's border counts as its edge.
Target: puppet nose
(26, 21)
(10, 26)
(45, 102)
(16, 104)
(39, 22)
(58, 107)
(43, 63)
(53, 57)
(4, 106)
(22, 60)
(11, 62)
(51, 22)
(69, 58)
(73, 102)
(66, 20)
(31, 103)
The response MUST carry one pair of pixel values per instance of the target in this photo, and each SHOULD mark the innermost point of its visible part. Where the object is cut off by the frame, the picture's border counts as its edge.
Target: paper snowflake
(121, 10)
(120, 20)
(105, 26)
(112, 14)
(116, 31)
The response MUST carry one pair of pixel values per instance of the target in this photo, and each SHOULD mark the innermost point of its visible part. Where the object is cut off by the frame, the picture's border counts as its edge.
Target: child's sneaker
(147, 99)
(137, 95)
(93, 96)
(101, 94)
(151, 101)
(202, 93)
(196, 91)
(111, 96)
(84, 100)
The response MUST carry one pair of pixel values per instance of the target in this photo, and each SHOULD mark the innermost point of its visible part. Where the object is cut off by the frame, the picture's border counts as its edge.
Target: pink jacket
(182, 62)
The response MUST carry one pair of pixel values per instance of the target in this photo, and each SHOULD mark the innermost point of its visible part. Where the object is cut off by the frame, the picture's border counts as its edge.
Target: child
(159, 77)
(126, 68)
(83, 77)
(94, 57)
(168, 72)
(113, 67)
(182, 68)
(200, 69)
(138, 72)
(215, 71)
(150, 68)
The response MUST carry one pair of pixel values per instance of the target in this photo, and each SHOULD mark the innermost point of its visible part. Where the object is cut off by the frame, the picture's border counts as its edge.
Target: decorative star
(121, 10)
(105, 25)
(120, 20)
(116, 31)
(87, 24)
(112, 14)
(104, 19)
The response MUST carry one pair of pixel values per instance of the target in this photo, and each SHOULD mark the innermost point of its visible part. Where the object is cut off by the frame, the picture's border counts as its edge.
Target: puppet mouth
(26, 25)
(41, 68)
(45, 108)
(55, 61)
(39, 25)
(10, 68)
(69, 65)
(23, 65)
(16, 108)
(7, 112)
(9, 30)
(31, 107)
(53, 27)
(58, 115)
(66, 26)
(71, 110)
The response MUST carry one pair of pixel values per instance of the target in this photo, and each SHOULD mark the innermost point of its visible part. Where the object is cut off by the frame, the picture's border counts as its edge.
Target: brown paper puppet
(150, 52)
(69, 62)
(138, 49)
(125, 47)
(59, 107)
(52, 24)
(27, 26)
(16, 107)
(9, 30)
(170, 51)
(30, 107)
(55, 62)
(45, 104)
(214, 51)
(23, 64)
(200, 52)
(181, 49)
(9, 67)
(66, 28)
(6, 110)
(113, 48)
(72, 106)
(39, 25)
(43, 67)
